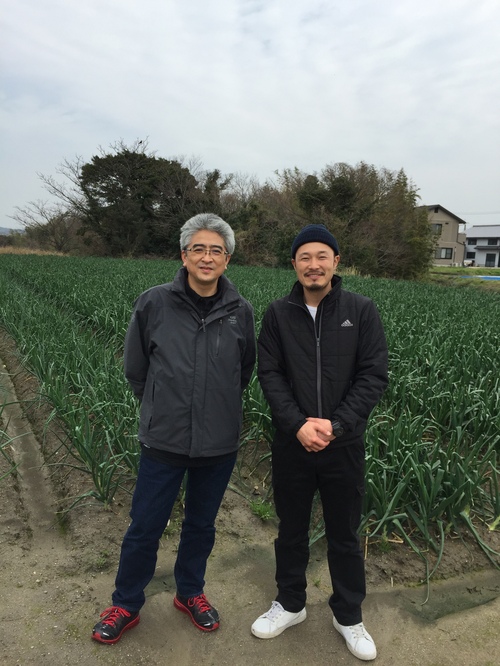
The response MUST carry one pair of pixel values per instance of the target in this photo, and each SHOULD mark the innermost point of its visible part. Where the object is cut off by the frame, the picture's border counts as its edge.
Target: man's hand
(316, 434)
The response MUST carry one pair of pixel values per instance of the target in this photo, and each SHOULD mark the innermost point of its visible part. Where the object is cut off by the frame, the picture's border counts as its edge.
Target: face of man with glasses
(205, 259)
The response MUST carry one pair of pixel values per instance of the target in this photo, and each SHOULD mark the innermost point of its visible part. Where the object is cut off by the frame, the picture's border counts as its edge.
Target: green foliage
(125, 201)
(432, 444)
(136, 202)
(263, 510)
(128, 202)
(374, 215)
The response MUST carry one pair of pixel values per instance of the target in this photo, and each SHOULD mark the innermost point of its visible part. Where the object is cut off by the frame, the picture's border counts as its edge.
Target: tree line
(127, 202)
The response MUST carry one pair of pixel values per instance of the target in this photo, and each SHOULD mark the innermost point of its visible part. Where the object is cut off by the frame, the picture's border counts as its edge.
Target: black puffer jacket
(332, 368)
(189, 373)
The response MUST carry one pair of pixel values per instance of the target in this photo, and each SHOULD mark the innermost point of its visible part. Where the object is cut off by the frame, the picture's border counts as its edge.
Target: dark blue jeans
(156, 490)
(338, 474)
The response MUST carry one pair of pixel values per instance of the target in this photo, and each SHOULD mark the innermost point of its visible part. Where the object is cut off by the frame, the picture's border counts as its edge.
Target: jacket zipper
(219, 335)
(317, 337)
(317, 333)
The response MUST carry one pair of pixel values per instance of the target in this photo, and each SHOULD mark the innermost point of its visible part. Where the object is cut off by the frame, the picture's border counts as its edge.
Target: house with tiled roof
(450, 240)
(483, 245)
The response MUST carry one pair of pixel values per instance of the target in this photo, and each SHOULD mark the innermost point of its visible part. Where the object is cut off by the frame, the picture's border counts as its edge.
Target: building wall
(450, 243)
(483, 246)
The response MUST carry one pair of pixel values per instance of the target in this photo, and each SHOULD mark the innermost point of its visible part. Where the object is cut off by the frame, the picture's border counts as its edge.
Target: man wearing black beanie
(323, 368)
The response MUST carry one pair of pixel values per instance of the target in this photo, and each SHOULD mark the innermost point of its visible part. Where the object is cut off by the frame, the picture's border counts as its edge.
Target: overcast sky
(254, 86)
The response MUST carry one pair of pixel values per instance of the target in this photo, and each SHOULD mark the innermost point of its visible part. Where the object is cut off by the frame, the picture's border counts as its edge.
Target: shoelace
(358, 631)
(114, 613)
(275, 610)
(200, 602)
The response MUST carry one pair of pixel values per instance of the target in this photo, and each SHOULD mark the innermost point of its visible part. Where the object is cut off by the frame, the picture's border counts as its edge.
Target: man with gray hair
(189, 354)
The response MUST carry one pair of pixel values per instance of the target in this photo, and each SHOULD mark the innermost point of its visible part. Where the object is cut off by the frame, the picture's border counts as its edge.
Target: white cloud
(252, 86)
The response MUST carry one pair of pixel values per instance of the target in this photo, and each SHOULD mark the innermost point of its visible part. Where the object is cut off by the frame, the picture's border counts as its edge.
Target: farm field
(432, 444)
(476, 277)
(432, 506)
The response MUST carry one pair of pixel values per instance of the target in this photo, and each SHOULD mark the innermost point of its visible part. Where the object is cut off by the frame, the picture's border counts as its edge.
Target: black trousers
(337, 473)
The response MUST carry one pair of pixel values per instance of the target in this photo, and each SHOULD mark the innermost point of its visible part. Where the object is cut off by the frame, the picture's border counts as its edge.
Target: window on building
(470, 255)
(443, 253)
(472, 241)
(492, 241)
(436, 229)
(490, 261)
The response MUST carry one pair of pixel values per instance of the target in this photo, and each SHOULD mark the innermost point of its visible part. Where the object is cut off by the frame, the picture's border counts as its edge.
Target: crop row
(432, 443)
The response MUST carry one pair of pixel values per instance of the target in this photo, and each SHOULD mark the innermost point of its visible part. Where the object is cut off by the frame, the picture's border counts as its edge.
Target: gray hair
(208, 222)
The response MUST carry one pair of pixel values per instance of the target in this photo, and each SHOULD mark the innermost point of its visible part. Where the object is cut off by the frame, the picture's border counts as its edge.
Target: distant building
(483, 245)
(450, 241)
(6, 231)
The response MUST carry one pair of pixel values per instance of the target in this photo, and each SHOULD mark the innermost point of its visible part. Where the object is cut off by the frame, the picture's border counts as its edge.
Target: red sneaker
(115, 621)
(200, 610)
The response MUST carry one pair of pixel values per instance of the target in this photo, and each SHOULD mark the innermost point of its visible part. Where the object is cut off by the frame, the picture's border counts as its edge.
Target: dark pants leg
(341, 486)
(294, 485)
(338, 474)
(155, 492)
(204, 492)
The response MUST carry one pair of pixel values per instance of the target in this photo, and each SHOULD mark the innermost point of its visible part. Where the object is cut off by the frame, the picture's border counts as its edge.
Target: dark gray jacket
(331, 368)
(189, 373)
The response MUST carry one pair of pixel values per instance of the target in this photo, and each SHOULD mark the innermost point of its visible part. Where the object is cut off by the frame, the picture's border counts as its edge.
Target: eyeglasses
(201, 250)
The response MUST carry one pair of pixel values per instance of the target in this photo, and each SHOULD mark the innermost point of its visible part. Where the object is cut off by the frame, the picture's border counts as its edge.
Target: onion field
(432, 445)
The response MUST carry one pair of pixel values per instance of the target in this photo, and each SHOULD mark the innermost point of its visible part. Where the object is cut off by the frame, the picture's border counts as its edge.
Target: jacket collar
(228, 292)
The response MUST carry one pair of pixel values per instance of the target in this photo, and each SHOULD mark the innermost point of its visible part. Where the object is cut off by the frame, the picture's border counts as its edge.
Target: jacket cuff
(298, 426)
(342, 422)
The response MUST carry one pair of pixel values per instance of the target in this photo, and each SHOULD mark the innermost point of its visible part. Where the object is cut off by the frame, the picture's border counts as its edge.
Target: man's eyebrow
(308, 254)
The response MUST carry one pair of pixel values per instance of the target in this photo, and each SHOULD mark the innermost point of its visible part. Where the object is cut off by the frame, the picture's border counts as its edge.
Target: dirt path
(55, 581)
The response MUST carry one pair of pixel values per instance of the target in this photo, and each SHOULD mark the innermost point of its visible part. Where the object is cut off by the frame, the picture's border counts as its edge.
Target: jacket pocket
(147, 406)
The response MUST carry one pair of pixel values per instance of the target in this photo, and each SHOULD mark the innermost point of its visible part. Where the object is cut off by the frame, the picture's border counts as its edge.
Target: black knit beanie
(314, 233)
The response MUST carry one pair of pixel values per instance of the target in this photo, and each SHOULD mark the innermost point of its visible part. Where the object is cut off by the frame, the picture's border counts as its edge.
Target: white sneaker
(358, 640)
(275, 621)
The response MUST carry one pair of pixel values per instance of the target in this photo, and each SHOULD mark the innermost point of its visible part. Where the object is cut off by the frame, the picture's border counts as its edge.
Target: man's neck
(313, 298)
(201, 289)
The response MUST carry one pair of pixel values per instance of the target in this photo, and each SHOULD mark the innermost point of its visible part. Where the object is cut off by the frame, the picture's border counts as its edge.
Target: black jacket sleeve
(287, 415)
(136, 353)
